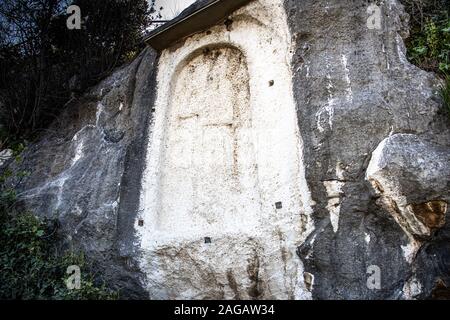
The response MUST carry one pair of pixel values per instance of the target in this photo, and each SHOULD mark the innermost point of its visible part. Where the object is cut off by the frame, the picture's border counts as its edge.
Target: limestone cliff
(279, 155)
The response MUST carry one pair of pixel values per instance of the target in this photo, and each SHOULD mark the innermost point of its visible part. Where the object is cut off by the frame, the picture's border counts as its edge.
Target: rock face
(290, 153)
(85, 171)
(405, 170)
(362, 104)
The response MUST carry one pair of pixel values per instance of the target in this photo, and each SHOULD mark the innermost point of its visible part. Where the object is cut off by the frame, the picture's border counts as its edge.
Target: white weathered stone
(334, 192)
(394, 157)
(412, 288)
(5, 155)
(224, 148)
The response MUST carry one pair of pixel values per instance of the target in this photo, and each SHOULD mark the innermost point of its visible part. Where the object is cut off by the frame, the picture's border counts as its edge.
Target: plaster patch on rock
(78, 141)
(401, 50)
(78, 152)
(100, 109)
(367, 237)
(5, 155)
(375, 162)
(309, 281)
(340, 171)
(334, 192)
(349, 92)
(410, 250)
(412, 289)
(329, 107)
(231, 166)
(57, 183)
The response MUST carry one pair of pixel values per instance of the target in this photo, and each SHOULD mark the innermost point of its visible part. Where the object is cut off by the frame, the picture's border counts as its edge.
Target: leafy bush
(445, 94)
(429, 41)
(31, 267)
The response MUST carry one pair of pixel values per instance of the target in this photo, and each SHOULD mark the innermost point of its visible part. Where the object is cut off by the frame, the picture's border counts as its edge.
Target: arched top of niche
(194, 53)
(254, 15)
(188, 57)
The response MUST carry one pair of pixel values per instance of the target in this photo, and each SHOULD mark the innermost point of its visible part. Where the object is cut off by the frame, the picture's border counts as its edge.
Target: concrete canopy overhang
(196, 18)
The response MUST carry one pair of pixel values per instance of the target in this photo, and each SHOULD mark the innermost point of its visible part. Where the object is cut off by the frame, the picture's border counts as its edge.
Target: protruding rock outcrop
(409, 174)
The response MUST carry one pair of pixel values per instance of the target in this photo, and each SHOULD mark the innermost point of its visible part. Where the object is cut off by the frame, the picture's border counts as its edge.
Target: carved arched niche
(208, 177)
(224, 194)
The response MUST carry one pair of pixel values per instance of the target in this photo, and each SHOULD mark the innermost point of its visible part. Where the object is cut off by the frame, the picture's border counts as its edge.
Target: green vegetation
(429, 47)
(44, 67)
(445, 94)
(31, 266)
(429, 41)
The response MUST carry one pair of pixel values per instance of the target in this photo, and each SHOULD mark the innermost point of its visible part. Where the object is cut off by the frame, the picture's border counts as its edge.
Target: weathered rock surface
(372, 186)
(85, 171)
(5, 156)
(354, 89)
(409, 175)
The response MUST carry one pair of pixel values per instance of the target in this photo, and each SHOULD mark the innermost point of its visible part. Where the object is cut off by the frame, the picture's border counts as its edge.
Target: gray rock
(409, 175)
(375, 92)
(80, 170)
(5, 156)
